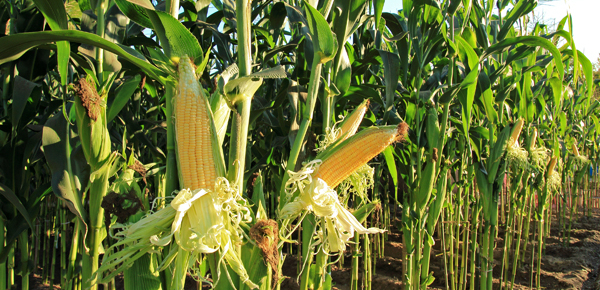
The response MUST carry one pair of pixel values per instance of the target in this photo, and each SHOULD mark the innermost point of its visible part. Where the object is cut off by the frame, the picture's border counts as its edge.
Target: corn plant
(219, 140)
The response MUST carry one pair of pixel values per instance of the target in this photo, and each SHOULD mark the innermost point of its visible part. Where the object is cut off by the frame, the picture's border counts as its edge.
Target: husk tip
(401, 132)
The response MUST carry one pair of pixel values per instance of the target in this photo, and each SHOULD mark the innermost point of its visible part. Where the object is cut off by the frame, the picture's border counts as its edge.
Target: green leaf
(124, 93)
(137, 13)
(58, 150)
(520, 9)
(433, 128)
(324, 42)
(497, 153)
(56, 16)
(529, 41)
(483, 186)
(467, 96)
(16, 202)
(487, 97)
(16, 45)
(364, 211)
(428, 178)
(180, 39)
(391, 71)
(390, 162)
(21, 93)
(453, 6)
(347, 14)
(17, 226)
(343, 78)
(277, 15)
(466, 53)
(588, 71)
(378, 4)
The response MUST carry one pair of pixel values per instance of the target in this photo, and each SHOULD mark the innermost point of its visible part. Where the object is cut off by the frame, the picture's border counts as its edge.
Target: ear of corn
(199, 157)
(357, 150)
(205, 215)
(90, 108)
(575, 150)
(350, 125)
(533, 139)
(316, 180)
(516, 131)
(551, 166)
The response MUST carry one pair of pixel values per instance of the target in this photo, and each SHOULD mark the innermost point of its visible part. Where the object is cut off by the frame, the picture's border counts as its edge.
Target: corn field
(214, 144)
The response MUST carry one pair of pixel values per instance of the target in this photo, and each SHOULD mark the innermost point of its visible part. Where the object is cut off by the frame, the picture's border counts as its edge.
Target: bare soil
(572, 266)
(569, 267)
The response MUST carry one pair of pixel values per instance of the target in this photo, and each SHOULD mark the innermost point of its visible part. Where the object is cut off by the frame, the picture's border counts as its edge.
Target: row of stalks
(154, 145)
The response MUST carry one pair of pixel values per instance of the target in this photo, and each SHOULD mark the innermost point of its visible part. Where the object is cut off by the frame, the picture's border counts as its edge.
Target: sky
(586, 20)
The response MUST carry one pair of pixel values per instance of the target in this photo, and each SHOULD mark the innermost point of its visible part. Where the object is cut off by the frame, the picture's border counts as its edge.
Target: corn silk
(200, 221)
(317, 197)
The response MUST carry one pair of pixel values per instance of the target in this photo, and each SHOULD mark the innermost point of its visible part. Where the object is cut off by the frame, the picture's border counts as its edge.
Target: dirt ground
(572, 267)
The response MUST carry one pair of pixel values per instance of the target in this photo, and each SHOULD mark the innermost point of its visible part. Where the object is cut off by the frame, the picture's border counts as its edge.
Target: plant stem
(100, 28)
(171, 171)
(308, 227)
(313, 89)
(241, 116)
(355, 251)
(2, 263)
(172, 7)
(73, 255)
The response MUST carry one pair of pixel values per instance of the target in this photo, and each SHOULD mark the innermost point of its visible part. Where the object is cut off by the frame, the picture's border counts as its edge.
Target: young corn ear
(347, 157)
(514, 137)
(198, 153)
(90, 108)
(334, 136)
(551, 166)
(350, 125)
(533, 139)
(575, 150)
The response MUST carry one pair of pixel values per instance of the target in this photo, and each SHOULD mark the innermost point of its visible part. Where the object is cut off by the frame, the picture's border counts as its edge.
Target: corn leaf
(137, 13)
(16, 202)
(16, 45)
(324, 42)
(520, 9)
(56, 16)
(124, 93)
(67, 183)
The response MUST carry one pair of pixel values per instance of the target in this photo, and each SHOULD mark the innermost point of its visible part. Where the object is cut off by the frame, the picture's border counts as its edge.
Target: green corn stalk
(91, 121)
(143, 273)
(3, 269)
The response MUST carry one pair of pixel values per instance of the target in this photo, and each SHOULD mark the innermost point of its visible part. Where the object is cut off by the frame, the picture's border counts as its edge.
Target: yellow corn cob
(352, 121)
(514, 137)
(551, 166)
(197, 166)
(533, 139)
(356, 151)
(575, 150)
